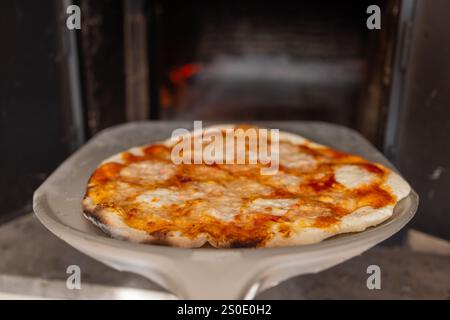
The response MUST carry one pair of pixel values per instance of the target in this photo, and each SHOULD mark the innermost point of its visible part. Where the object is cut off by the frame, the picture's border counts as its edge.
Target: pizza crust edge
(109, 222)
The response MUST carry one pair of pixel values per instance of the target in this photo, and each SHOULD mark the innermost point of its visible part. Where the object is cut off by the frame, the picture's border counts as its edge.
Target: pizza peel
(205, 273)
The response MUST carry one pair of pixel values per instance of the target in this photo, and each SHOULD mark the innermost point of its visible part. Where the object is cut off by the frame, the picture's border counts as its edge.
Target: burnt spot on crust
(97, 219)
(159, 236)
(184, 179)
(96, 216)
(246, 243)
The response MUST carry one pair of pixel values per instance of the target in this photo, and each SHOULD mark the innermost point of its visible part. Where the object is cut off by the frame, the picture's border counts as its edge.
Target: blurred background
(136, 60)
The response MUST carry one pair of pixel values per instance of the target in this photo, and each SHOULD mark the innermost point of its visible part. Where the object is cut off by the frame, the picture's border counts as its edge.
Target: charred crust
(246, 243)
(95, 213)
(95, 217)
(159, 236)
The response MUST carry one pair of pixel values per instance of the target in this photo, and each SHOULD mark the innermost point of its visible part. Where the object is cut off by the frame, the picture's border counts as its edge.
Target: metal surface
(18, 287)
(37, 119)
(71, 72)
(136, 64)
(102, 63)
(421, 128)
(201, 273)
(406, 22)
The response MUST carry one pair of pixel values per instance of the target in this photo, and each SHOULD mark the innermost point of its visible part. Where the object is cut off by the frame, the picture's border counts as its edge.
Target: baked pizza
(141, 195)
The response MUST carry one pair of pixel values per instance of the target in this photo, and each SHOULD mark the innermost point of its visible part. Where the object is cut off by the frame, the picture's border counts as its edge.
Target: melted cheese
(148, 171)
(160, 197)
(276, 207)
(352, 176)
(290, 157)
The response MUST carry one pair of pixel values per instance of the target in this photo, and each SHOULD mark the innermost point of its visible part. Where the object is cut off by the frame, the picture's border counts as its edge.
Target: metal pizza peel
(204, 273)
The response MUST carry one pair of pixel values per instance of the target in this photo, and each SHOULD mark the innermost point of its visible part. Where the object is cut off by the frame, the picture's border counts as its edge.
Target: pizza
(141, 195)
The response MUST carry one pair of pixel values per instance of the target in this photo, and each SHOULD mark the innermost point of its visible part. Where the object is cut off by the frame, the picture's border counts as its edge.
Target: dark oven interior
(244, 60)
(240, 60)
